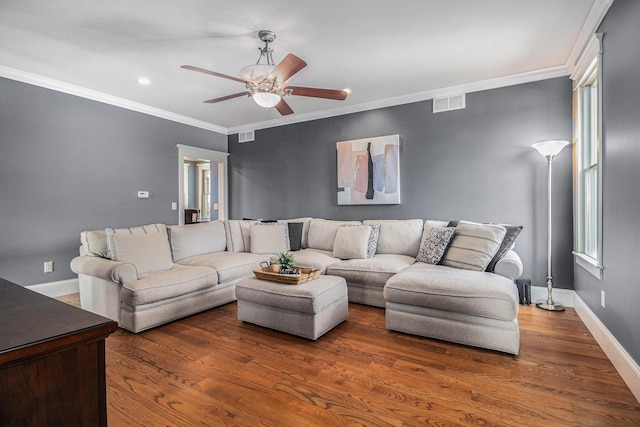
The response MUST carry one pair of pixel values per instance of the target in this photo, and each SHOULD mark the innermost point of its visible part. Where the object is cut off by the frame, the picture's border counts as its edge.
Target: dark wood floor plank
(212, 369)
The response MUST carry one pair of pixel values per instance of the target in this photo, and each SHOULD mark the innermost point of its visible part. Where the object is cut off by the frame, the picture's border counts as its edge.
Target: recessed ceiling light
(144, 81)
(346, 89)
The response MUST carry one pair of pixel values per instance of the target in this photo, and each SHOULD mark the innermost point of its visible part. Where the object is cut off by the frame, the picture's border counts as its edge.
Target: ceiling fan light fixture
(266, 99)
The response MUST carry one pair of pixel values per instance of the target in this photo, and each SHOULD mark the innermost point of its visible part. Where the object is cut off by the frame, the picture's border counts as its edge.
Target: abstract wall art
(369, 171)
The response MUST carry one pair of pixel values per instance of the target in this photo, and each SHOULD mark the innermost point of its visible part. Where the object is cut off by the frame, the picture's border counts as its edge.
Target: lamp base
(545, 305)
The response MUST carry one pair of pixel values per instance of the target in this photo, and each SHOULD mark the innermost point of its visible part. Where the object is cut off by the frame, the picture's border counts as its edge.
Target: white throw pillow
(352, 242)
(399, 237)
(145, 247)
(473, 246)
(269, 238)
(322, 233)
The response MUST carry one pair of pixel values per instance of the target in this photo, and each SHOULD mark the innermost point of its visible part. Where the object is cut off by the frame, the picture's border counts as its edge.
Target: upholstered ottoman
(308, 310)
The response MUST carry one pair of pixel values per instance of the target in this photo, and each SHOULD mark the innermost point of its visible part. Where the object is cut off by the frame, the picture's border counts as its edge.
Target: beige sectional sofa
(146, 276)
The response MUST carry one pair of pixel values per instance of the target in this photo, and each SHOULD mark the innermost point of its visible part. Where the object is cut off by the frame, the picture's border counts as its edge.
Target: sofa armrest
(106, 269)
(510, 266)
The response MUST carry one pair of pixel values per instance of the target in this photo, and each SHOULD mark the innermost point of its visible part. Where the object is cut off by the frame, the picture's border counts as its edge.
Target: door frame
(219, 157)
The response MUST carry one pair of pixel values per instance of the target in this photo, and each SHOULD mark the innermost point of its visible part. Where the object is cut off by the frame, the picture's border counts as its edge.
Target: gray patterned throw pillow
(435, 244)
(373, 240)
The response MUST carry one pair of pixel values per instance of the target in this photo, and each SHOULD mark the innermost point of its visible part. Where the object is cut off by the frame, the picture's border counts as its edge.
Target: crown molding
(510, 80)
(596, 15)
(48, 83)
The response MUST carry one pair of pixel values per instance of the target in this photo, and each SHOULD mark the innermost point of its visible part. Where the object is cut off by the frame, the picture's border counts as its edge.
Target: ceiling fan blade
(224, 98)
(290, 65)
(339, 95)
(283, 108)
(213, 73)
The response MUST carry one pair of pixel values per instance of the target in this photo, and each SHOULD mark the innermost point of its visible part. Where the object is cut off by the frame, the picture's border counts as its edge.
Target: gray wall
(69, 164)
(475, 164)
(621, 177)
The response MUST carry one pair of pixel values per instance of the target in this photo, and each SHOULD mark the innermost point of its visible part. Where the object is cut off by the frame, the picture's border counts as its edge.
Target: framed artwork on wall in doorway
(369, 171)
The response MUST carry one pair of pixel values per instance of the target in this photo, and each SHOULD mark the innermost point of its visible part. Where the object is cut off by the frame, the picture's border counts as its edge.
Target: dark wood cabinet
(52, 361)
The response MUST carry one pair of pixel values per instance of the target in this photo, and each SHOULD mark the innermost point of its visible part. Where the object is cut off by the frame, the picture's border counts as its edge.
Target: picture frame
(368, 171)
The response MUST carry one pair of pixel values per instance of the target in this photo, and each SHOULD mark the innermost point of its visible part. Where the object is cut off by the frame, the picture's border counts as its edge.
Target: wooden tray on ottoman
(306, 274)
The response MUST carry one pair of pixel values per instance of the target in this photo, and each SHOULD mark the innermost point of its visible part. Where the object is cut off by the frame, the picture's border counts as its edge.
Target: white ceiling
(386, 52)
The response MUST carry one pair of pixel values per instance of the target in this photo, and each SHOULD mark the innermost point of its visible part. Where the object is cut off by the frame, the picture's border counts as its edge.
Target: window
(588, 167)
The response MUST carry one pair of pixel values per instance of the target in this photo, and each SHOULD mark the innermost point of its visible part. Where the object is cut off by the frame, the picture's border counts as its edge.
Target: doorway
(203, 185)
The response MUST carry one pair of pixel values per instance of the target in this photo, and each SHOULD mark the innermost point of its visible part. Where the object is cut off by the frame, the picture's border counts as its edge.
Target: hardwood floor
(211, 369)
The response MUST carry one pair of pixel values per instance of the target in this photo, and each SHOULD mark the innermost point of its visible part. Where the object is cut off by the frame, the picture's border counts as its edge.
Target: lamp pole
(549, 149)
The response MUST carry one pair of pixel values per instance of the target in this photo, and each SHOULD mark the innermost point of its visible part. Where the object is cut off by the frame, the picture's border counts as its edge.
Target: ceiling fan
(267, 83)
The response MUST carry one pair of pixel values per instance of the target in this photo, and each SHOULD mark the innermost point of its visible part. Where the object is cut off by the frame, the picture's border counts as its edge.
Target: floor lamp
(549, 149)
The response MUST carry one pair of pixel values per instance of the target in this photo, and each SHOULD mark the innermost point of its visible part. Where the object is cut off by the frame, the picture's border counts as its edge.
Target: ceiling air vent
(246, 136)
(448, 103)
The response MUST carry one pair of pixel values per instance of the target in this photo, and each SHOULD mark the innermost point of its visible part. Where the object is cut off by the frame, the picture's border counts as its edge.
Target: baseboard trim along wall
(560, 296)
(624, 364)
(56, 289)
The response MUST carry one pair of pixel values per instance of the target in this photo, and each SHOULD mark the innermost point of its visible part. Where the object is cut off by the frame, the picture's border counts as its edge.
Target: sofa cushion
(400, 237)
(352, 242)
(454, 290)
(473, 245)
(371, 271)
(313, 258)
(435, 244)
(94, 243)
(161, 285)
(196, 239)
(322, 233)
(507, 244)
(269, 238)
(143, 229)
(145, 247)
(238, 235)
(229, 265)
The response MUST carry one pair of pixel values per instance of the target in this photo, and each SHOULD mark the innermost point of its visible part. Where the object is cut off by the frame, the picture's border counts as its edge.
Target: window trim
(589, 63)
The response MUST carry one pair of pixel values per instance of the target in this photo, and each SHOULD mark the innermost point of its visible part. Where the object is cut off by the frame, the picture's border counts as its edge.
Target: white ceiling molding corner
(45, 82)
(591, 24)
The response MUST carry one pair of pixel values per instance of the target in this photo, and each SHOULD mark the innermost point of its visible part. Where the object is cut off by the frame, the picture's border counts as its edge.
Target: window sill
(589, 264)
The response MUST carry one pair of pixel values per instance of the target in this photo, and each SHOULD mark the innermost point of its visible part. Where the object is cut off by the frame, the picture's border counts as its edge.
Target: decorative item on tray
(293, 276)
(286, 261)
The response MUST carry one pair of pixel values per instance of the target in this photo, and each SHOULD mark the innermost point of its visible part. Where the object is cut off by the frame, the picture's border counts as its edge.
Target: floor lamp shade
(549, 149)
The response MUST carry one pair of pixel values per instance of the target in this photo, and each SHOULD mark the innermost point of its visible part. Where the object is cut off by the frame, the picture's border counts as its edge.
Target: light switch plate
(143, 194)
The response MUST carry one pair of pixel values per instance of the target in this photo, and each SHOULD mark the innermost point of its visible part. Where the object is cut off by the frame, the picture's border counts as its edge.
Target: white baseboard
(624, 364)
(560, 296)
(56, 289)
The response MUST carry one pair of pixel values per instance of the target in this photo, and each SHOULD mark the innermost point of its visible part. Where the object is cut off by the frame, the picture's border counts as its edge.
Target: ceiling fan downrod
(267, 37)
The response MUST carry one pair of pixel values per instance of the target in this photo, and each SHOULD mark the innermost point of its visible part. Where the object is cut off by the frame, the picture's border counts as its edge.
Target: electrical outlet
(48, 266)
(174, 206)
(602, 298)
